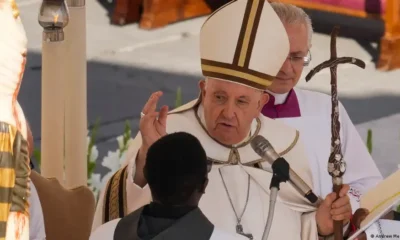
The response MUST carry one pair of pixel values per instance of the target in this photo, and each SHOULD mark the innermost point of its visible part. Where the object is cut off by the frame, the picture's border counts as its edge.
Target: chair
(68, 214)
(157, 13)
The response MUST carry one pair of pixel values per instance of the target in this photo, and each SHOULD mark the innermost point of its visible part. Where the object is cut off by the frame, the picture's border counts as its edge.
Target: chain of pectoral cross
(336, 163)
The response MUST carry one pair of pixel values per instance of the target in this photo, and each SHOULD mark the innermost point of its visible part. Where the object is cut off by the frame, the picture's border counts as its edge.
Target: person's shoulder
(219, 234)
(311, 95)
(315, 101)
(282, 136)
(105, 231)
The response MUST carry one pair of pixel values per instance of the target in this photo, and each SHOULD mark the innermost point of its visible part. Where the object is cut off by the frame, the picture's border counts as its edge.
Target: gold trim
(14, 8)
(238, 74)
(247, 35)
(296, 139)
(114, 196)
(287, 150)
(4, 215)
(7, 179)
(125, 206)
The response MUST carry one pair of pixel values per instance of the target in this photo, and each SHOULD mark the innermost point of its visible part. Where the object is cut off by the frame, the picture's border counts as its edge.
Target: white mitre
(244, 42)
(13, 49)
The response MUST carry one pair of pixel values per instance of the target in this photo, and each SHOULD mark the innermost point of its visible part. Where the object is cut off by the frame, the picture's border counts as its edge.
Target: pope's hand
(153, 124)
(333, 210)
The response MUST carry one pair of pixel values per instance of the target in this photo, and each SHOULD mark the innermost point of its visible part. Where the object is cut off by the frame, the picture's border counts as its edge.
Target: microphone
(265, 150)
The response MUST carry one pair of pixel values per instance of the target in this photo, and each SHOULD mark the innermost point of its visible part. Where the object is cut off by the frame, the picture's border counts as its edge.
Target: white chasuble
(294, 216)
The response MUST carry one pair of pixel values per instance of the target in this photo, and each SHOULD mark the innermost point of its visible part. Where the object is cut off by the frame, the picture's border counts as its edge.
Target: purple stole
(289, 109)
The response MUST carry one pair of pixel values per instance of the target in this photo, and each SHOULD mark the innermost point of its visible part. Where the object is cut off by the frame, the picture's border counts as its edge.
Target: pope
(225, 118)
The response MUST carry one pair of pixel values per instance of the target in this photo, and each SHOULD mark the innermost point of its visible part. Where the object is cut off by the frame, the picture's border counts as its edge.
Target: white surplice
(294, 216)
(314, 126)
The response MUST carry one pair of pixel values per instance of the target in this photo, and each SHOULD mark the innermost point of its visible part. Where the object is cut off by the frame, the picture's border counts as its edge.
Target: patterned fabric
(355, 193)
(370, 6)
(14, 172)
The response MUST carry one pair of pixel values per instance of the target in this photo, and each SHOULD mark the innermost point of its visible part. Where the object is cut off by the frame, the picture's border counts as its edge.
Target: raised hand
(153, 124)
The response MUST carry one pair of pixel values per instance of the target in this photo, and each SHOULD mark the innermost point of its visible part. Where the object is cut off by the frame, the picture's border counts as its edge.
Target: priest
(225, 118)
(310, 113)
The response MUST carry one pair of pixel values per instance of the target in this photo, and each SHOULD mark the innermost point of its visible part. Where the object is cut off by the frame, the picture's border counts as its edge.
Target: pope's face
(291, 70)
(229, 109)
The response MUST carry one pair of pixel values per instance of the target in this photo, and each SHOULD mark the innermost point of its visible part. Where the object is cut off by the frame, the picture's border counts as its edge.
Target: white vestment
(106, 232)
(36, 228)
(314, 126)
(292, 210)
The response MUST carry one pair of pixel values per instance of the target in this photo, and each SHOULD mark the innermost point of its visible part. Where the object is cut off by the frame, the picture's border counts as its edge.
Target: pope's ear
(263, 100)
(202, 86)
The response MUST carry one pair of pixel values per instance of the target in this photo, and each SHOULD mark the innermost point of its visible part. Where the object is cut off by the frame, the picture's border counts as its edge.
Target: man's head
(176, 170)
(233, 43)
(299, 29)
(230, 108)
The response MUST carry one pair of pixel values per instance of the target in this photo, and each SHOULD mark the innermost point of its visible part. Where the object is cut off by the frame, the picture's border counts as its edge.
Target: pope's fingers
(341, 210)
(151, 104)
(162, 118)
(342, 217)
(148, 120)
(329, 200)
(343, 191)
(341, 202)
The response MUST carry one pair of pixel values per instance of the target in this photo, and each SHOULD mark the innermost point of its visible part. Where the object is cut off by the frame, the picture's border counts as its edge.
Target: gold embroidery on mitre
(235, 73)
(14, 7)
(249, 28)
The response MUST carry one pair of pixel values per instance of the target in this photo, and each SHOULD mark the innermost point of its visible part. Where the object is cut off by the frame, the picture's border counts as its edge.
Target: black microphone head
(263, 148)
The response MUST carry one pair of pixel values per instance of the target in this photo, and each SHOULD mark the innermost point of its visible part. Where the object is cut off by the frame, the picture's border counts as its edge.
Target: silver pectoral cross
(239, 230)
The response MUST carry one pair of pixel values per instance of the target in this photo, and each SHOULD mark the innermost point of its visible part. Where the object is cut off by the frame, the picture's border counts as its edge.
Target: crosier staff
(336, 163)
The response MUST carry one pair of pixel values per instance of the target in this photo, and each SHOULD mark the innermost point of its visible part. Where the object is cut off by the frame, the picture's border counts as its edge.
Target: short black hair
(176, 166)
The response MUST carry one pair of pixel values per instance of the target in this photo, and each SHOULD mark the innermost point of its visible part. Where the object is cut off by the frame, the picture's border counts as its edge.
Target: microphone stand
(280, 169)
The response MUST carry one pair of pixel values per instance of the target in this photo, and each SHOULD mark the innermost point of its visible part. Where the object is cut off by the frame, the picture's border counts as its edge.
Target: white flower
(95, 184)
(120, 140)
(112, 161)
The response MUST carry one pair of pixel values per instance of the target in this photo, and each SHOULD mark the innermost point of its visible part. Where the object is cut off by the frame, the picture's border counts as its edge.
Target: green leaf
(398, 208)
(37, 156)
(125, 138)
(369, 141)
(178, 99)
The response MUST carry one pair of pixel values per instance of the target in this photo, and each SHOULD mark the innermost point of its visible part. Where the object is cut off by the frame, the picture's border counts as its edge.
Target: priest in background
(176, 186)
(310, 113)
(225, 118)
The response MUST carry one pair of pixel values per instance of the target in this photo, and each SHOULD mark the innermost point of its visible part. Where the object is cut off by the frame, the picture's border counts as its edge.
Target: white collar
(279, 97)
